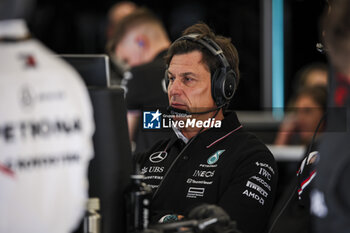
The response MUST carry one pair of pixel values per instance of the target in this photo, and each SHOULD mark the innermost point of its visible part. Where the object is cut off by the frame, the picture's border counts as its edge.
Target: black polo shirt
(228, 167)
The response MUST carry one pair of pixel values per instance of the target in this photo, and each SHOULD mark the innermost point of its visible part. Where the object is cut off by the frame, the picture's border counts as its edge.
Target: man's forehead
(190, 60)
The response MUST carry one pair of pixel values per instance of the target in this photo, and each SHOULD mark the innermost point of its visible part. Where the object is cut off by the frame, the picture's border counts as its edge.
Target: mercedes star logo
(158, 156)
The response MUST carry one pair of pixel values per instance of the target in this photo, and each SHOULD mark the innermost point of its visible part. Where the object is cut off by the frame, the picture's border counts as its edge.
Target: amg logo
(254, 196)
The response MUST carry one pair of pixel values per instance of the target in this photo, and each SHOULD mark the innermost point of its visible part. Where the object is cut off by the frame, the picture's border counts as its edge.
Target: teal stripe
(277, 54)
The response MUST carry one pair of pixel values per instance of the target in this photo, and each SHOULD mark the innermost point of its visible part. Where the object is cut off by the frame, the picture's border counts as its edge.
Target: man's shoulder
(248, 147)
(237, 139)
(244, 146)
(247, 141)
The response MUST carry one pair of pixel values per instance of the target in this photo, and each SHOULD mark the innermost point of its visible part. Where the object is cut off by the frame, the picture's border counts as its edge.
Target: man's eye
(171, 79)
(188, 79)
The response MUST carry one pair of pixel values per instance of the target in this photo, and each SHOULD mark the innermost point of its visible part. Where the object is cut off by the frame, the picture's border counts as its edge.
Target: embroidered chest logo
(215, 157)
(29, 60)
(158, 156)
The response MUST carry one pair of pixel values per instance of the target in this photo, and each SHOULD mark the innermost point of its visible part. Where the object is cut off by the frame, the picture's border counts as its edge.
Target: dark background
(78, 27)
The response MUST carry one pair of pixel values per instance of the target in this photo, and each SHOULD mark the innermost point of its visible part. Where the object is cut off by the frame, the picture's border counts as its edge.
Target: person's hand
(212, 219)
(286, 130)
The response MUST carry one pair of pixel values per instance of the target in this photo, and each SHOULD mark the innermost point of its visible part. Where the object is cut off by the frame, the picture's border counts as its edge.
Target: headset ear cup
(223, 86)
(164, 85)
(229, 85)
(215, 89)
(165, 81)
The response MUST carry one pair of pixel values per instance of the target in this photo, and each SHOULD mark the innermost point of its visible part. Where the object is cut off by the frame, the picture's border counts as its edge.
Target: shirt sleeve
(250, 195)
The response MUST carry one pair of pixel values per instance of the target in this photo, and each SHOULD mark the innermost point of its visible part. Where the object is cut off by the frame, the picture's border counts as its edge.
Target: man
(330, 198)
(217, 163)
(141, 41)
(46, 127)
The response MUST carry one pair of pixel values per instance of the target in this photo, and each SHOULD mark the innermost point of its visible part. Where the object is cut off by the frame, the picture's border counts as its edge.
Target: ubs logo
(158, 156)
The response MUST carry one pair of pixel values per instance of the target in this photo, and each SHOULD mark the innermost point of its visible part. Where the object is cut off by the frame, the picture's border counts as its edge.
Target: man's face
(189, 83)
(308, 114)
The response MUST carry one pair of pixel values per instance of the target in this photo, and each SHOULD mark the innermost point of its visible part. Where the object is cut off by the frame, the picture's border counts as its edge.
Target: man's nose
(175, 87)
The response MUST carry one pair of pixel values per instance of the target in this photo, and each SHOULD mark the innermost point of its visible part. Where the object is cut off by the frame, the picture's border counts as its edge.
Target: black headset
(223, 81)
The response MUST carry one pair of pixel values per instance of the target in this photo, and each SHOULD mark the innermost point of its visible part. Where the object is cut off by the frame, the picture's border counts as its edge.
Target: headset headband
(208, 43)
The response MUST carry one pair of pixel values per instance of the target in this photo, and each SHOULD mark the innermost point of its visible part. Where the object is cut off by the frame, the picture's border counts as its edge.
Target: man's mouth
(178, 106)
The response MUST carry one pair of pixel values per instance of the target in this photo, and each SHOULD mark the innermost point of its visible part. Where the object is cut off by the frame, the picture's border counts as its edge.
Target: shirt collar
(229, 125)
(14, 29)
(179, 135)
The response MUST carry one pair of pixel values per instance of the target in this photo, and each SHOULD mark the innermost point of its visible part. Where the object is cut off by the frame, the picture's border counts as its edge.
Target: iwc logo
(158, 156)
(215, 157)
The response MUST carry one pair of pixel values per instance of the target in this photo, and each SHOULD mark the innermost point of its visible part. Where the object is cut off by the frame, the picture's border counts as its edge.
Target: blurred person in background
(46, 128)
(292, 211)
(309, 105)
(140, 41)
(115, 14)
(304, 113)
(313, 74)
(330, 197)
(295, 127)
